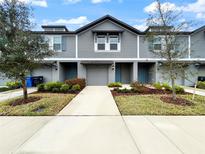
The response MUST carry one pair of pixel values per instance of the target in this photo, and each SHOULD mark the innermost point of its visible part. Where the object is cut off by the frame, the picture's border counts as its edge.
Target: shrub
(13, 84)
(138, 87)
(80, 82)
(179, 90)
(201, 85)
(51, 85)
(162, 86)
(40, 87)
(76, 87)
(4, 89)
(157, 85)
(64, 88)
(115, 84)
(165, 86)
(55, 90)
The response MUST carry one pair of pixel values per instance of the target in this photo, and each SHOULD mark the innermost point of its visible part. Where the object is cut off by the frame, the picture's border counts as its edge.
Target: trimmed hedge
(115, 84)
(13, 84)
(80, 82)
(201, 85)
(51, 85)
(165, 86)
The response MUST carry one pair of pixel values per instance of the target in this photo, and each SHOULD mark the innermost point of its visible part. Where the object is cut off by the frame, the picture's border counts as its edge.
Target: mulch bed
(178, 101)
(145, 91)
(21, 101)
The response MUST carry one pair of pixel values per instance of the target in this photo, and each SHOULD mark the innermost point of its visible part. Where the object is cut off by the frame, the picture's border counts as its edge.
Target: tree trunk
(173, 89)
(25, 94)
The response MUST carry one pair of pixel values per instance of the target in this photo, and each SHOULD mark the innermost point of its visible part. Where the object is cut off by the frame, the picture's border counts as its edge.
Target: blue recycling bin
(29, 82)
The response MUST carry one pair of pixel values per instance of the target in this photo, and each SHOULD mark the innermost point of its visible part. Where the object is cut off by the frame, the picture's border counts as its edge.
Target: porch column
(156, 72)
(111, 73)
(135, 71)
(81, 71)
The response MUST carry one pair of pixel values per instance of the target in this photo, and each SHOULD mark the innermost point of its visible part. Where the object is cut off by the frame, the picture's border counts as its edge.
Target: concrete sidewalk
(198, 91)
(14, 93)
(93, 100)
(116, 134)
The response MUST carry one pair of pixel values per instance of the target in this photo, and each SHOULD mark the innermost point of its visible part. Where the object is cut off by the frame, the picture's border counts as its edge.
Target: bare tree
(166, 27)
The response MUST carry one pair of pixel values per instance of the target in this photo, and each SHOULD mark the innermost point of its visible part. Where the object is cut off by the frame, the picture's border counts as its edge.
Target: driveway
(197, 91)
(14, 93)
(93, 100)
(84, 130)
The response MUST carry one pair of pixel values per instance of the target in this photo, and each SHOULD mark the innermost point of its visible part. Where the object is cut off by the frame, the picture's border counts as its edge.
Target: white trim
(120, 59)
(138, 46)
(76, 46)
(189, 47)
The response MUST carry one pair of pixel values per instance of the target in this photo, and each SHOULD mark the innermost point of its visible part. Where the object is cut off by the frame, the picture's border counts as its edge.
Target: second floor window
(57, 43)
(157, 44)
(107, 43)
(101, 42)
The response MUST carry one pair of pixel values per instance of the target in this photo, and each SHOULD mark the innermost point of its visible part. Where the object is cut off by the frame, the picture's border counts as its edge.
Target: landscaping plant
(80, 82)
(13, 84)
(21, 49)
(115, 84)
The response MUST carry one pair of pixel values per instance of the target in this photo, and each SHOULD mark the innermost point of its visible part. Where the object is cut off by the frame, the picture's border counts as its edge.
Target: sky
(77, 13)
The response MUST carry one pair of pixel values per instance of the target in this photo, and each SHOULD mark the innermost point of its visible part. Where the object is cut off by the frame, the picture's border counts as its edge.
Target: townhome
(109, 50)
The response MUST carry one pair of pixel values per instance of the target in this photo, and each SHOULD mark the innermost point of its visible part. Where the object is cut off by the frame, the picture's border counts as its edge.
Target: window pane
(113, 46)
(101, 46)
(57, 40)
(114, 39)
(57, 47)
(157, 47)
(101, 39)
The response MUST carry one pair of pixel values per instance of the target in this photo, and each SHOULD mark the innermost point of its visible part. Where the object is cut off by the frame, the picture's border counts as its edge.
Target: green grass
(51, 103)
(152, 105)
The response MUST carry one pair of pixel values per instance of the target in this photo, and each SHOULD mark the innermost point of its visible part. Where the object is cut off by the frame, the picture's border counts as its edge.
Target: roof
(55, 26)
(107, 17)
(104, 18)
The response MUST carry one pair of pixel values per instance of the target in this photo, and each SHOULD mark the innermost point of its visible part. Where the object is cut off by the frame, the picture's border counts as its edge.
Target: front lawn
(152, 105)
(49, 104)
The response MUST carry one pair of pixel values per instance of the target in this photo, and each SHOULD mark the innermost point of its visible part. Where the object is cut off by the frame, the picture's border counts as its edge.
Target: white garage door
(97, 75)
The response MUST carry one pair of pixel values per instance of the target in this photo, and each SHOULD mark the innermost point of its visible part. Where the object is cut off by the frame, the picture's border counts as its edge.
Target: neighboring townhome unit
(109, 50)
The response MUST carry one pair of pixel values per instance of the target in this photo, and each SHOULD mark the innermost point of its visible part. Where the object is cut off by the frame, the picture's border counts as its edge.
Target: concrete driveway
(110, 133)
(93, 100)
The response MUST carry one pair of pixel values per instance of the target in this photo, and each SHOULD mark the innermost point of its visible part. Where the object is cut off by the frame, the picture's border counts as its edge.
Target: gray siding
(144, 51)
(68, 46)
(86, 43)
(198, 45)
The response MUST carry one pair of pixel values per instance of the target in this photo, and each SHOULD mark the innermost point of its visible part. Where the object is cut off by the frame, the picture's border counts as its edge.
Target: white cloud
(99, 1)
(72, 1)
(167, 6)
(71, 23)
(197, 8)
(141, 27)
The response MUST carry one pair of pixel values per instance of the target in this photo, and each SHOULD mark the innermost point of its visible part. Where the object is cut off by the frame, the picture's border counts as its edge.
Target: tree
(166, 27)
(21, 49)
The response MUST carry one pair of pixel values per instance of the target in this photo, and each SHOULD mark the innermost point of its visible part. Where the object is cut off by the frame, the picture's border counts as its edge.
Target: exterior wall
(68, 47)
(86, 43)
(45, 71)
(144, 51)
(198, 45)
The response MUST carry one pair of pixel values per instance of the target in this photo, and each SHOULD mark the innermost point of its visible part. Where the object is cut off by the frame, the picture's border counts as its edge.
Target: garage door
(97, 75)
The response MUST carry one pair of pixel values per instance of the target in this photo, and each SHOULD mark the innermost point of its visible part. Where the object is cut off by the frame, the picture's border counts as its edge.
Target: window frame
(61, 42)
(107, 43)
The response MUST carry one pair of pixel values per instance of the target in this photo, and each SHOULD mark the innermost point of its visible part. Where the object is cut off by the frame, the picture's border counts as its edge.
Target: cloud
(167, 6)
(99, 1)
(71, 23)
(197, 8)
(141, 27)
(71, 1)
